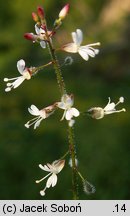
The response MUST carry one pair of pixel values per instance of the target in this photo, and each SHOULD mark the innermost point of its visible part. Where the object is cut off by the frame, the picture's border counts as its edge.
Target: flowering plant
(65, 102)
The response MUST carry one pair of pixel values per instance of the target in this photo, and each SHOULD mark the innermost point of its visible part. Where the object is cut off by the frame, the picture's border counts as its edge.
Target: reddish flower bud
(29, 36)
(35, 16)
(40, 12)
(43, 26)
(64, 11)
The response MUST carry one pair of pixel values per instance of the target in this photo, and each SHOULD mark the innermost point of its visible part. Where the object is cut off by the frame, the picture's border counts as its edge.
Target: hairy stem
(72, 150)
(58, 72)
(62, 89)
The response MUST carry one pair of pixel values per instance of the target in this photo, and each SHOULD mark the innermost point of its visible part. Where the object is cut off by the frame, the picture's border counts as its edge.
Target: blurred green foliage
(103, 148)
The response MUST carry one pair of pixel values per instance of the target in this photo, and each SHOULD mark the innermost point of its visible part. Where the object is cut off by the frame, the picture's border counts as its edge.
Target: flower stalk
(73, 157)
(63, 91)
(43, 66)
(56, 64)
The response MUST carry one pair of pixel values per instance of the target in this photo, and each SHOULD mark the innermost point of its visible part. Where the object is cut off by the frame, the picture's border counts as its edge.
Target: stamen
(34, 120)
(38, 181)
(9, 84)
(95, 44)
(109, 100)
(40, 166)
(121, 100)
(63, 115)
(117, 111)
(7, 79)
(27, 125)
(7, 89)
(42, 192)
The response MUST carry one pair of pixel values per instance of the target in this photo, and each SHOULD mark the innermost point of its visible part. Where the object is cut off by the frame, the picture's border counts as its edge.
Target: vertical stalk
(72, 150)
(57, 69)
(62, 88)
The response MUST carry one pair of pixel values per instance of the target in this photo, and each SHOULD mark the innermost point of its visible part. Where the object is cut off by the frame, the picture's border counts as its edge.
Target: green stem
(73, 157)
(60, 80)
(63, 91)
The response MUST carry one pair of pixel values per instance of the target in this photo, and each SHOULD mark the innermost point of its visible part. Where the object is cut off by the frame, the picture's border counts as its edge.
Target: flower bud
(64, 11)
(30, 36)
(35, 17)
(40, 12)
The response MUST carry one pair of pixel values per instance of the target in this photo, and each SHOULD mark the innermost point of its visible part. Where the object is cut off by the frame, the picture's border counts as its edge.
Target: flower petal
(75, 112)
(18, 82)
(83, 53)
(21, 66)
(45, 167)
(43, 44)
(52, 180)
(69, 101)
(77, 37)
(34, 110)
(68, 115)
(42, 31)
(37, 123)
(91, 51)
(37, 30)
(61, 105)
(110, 107)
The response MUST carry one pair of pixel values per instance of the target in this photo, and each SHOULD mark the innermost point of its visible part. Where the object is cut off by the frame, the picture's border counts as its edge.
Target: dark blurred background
(103, 146)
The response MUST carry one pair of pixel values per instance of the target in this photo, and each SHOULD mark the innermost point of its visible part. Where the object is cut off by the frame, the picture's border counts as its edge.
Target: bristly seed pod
(88, 187)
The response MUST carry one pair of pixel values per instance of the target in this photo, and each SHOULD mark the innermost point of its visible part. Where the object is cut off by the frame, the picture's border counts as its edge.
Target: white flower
(40, 115)
(53, 170)
(98, 112)
(25, 75)
(75, 47)
(41, 34)
(66, 104)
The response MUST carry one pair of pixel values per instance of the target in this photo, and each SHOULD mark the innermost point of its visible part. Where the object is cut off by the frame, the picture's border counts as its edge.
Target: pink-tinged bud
(40, 12)
(35, 17)
(43, 26)
(29, 36)
(64, 11)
